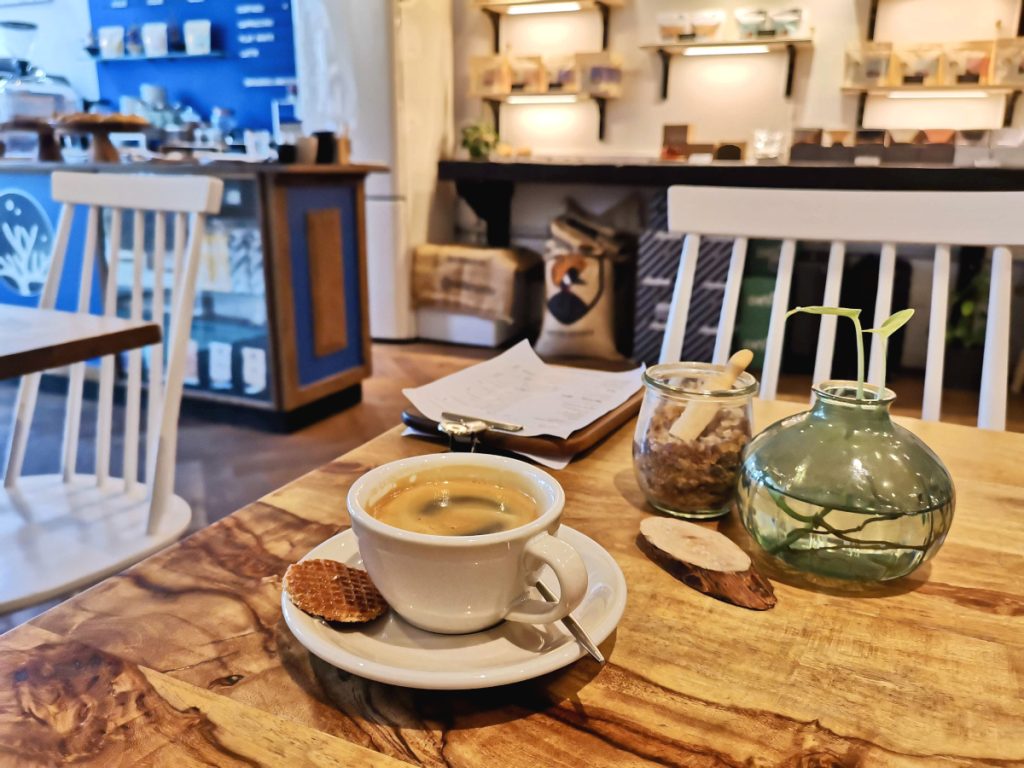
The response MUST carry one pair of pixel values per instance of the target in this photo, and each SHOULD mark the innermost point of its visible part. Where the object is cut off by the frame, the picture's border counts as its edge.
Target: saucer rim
(541, 664)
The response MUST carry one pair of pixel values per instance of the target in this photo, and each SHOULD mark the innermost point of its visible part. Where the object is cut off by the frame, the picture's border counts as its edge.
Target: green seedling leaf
(892, 323)
(841, 311)
(854, 316)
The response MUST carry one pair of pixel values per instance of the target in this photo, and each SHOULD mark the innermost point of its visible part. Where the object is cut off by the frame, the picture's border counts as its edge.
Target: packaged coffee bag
(579, 292)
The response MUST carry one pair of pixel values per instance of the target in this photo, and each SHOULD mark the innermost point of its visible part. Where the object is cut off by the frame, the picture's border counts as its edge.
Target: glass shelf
(169, 56)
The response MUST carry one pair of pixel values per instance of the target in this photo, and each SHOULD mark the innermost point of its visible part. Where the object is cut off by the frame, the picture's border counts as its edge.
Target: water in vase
(838, 543)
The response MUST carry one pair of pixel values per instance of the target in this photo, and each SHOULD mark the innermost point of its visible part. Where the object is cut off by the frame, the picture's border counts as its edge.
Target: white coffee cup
(154, 38)
(111, 41)
(197, 37)
(458, 584)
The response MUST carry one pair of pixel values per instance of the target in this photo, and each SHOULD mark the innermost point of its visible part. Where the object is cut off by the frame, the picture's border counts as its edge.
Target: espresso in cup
(442, 505)
(455, 542)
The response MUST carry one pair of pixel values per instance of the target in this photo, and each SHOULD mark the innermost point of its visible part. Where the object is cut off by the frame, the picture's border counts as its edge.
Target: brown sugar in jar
(693, 476)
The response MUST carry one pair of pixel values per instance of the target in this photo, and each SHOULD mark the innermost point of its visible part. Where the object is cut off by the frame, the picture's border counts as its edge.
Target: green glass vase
(843, 492)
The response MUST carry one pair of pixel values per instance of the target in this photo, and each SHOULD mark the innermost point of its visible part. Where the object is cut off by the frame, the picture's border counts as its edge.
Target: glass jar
(690, 437)
(842, 492)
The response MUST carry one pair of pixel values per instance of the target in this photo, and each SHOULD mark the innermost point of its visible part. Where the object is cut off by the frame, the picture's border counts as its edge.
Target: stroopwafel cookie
(333, 591)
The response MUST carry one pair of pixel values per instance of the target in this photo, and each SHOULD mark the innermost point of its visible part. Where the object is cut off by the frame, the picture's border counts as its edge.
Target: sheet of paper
(519, 387)
(551, 462)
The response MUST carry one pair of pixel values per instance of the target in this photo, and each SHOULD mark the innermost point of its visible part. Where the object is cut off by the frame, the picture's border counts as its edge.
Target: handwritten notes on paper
(519, 387)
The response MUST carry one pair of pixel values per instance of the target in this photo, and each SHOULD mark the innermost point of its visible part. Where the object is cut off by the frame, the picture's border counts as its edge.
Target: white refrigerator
(382, 69)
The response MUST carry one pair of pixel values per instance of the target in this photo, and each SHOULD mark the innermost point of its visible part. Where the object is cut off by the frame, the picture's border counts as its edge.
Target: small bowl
(752, 22)
(706, 23)
(787, 22)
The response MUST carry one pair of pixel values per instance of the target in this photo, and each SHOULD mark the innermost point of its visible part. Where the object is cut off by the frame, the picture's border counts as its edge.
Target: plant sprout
(888, 327)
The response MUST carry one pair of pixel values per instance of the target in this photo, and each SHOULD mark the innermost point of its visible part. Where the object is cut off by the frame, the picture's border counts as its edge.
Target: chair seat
(56, 537)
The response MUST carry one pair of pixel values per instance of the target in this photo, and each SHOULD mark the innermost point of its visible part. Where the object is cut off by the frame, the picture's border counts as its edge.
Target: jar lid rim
(658, 376)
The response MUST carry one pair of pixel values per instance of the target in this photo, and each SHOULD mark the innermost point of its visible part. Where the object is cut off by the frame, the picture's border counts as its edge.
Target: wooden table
(34, 340)
(185, 659)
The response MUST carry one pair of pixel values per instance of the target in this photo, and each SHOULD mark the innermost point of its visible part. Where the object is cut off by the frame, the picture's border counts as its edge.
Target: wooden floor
(222, 467)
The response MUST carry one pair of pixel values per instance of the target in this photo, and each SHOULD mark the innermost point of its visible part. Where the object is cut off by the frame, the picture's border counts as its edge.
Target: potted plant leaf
(479, 139)
(841, 490)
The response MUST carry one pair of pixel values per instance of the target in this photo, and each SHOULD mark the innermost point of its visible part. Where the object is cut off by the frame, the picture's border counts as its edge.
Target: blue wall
(207, 82)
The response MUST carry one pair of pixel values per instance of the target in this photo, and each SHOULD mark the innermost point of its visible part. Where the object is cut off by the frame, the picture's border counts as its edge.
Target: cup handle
(572, 581)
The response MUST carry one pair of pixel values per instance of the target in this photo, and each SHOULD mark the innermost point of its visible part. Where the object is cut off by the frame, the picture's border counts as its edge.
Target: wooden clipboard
(541, 445)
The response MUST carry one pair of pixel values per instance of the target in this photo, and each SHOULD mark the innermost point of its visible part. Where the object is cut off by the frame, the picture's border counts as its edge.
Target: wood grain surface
(34, 340)
(184, 659)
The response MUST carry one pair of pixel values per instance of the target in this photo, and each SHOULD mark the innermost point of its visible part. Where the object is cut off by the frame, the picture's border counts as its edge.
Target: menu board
(251, 63)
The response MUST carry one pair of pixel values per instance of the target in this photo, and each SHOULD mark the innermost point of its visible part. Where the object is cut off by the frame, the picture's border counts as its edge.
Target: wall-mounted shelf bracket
(1011, 106)
(495, 18)
(495, 105)
(605, 12)
(602, 105)
(862, 101)
(666, 62)
(790, 67)
(872, 20)
(495, 102)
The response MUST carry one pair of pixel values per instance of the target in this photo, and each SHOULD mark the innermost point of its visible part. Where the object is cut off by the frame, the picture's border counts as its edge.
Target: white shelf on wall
(549, 98)
(953, 91)
(932, 91)
(516, 7)
(495, 9)
(745, 46)
(173, 55)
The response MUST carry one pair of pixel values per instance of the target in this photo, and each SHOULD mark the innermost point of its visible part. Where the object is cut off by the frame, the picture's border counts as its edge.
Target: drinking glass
(767, 144)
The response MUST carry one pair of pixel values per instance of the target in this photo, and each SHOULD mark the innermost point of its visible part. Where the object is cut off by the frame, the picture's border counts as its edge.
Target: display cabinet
(280, 330)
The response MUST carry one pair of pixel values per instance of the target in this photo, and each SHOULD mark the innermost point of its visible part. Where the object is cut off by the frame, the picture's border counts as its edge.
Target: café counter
(487, 187)
(280, 329)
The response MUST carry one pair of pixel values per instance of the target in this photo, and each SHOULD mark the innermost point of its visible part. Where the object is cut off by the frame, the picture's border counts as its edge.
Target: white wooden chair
(63, 531)
(939, 219)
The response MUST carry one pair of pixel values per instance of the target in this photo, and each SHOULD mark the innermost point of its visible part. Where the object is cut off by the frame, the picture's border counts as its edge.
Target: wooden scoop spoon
(697, 416)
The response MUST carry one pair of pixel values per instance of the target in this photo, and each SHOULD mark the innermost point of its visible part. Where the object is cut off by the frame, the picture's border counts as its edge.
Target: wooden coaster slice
(706, 561)
(333, 591)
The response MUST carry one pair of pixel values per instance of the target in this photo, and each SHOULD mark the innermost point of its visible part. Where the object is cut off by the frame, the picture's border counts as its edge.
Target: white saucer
(391, 651)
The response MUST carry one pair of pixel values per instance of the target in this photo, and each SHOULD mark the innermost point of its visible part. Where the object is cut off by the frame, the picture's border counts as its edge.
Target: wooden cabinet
(280, 333)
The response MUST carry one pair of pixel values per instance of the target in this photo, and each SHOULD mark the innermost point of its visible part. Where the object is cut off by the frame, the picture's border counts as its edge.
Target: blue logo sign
(26, 237)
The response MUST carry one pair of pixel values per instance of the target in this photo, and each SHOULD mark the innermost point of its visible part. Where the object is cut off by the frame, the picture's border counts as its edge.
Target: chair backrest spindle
(156, 357)
(133, 392)
(180, 238)
(730, 301)
(935, 362)
(827, 329)
(76, 379)
(883, 308)
(672, 345)
(777, 321)
(841, 217)
(996, 370)
(105, 402)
